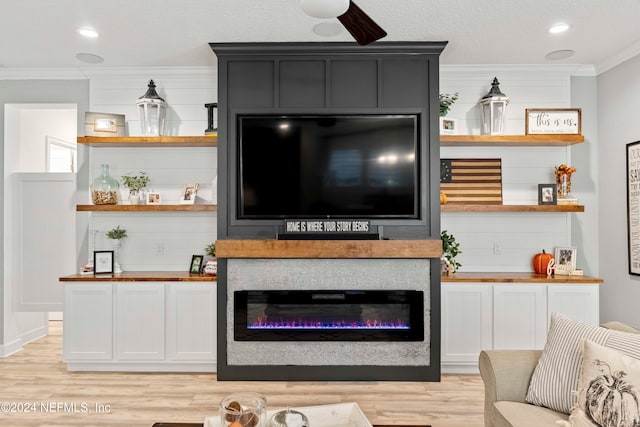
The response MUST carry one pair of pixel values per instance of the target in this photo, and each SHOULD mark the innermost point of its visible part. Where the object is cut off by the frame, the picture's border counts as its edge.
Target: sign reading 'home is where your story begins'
(326, 226)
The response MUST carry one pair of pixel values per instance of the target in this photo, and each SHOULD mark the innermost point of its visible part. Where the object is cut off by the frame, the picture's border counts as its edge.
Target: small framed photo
(153, 198)
(547, 194)
(196, 264)
(189, 194)
(102, 262)
(448, 126)
(565, 257)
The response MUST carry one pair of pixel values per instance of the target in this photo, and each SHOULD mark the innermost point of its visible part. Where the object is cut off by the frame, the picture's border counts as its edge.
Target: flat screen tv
(328, 166)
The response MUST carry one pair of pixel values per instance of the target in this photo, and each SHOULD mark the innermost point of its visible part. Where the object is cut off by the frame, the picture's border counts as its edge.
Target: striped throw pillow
(555, 380)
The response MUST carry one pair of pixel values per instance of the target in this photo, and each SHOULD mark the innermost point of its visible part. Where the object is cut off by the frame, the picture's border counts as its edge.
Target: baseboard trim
(16, 345)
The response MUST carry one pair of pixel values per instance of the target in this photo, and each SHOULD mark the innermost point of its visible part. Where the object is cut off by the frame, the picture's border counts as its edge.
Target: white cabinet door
(191, 317)
(466, 323)
(88, 321)
(519, 319)
(140, 327)
(580, 303)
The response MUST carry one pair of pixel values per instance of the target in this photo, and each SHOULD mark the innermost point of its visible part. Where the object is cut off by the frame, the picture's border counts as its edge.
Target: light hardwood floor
(36, 375)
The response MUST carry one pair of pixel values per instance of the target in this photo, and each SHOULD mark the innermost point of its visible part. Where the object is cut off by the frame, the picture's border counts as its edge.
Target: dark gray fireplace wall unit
(330, 78)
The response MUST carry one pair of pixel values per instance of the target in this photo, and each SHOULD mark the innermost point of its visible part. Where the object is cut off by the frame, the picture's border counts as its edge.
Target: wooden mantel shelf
(329, 248)
(502, 277)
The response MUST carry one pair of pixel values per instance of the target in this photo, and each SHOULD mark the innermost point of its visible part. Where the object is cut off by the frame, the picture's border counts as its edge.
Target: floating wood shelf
(501, 277)
(149, 141)
(329, 248)
(147, 208)
(510, 208)
(509, 140)
(140, 276)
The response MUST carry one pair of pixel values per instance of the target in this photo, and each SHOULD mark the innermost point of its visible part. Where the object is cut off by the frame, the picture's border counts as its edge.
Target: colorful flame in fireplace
(263, 323)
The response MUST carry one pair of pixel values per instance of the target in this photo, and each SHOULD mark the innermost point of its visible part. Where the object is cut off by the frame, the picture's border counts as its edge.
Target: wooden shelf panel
(450, 207)
(501, 277)
(147, 208)
(329, 248)
(140, 276)
(149, 141)
(510, 140)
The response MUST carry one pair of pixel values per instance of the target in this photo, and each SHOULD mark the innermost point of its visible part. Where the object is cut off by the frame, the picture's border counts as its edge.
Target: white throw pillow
(608, 389)
(556, 376)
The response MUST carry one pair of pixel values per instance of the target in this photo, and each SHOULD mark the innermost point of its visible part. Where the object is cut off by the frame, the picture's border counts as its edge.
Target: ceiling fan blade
(360, 25)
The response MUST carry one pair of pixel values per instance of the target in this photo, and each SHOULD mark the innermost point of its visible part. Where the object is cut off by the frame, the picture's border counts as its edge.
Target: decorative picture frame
(633, 207)
(448, 126)
(553, 121)
(547, 194)
(104, 124)
(189, 194)
(565, 258)
(103, 262)
(153, 198)
(196, 264)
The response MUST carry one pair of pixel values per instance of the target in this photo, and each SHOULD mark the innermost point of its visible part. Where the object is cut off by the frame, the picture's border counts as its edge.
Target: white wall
(156, 241)
(618, 112)
(508, 241)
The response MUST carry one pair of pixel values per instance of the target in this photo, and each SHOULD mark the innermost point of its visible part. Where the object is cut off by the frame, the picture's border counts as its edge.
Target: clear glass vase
(563, 181)
(105, 190)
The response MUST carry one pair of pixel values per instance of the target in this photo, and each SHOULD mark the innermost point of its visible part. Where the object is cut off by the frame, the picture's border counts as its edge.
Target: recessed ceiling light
(560, 54)
(88, 32)
(327, 29)
(89, 58)
(560, 27)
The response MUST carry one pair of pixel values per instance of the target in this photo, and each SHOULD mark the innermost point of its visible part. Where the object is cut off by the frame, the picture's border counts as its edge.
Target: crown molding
(565, 69)
(617, 59)
(41, 74)
(144, 72)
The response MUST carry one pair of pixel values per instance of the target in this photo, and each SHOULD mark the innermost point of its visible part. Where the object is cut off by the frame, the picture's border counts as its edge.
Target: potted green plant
(446, 102)
(211, 267)
(450, 250)
(116, 234)
(135, 183)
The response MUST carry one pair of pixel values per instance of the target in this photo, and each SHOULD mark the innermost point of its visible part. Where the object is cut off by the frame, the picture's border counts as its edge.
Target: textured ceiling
(139, 33)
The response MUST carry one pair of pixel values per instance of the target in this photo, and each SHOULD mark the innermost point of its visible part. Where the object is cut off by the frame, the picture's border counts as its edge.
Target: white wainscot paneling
(88, 321)
(466, 325)
(519, 316)
(580, 303)
(140, 321)
(191, 321)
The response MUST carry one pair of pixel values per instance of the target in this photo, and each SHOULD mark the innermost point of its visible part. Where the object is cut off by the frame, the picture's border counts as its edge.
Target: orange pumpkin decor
(541, 261)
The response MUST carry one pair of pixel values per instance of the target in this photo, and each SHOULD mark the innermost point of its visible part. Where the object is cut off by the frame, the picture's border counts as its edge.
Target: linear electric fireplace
(329, 315)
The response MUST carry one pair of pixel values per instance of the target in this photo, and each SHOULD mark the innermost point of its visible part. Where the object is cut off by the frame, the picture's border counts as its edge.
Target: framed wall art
(553, 121)
(103, 262)
(633, 206)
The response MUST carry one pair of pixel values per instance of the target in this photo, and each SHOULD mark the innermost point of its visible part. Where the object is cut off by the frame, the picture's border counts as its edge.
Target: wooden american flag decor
(472, 181)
